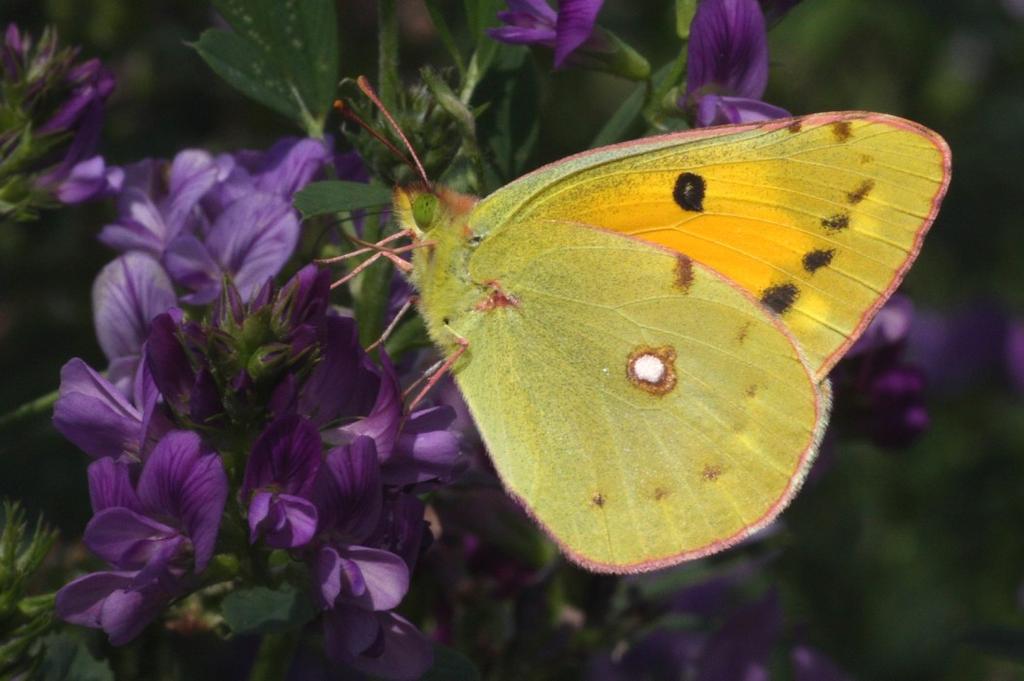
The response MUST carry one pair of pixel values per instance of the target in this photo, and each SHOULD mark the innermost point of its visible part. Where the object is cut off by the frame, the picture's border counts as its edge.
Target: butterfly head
(422, 209)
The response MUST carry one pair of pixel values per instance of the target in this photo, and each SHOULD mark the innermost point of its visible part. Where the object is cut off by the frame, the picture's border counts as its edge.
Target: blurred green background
(898, 564)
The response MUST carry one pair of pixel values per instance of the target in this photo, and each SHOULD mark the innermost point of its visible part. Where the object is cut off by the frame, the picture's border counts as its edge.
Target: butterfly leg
(436, 372)
(394, 322)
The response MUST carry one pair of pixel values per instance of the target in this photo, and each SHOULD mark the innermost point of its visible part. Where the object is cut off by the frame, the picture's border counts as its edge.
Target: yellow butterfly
(643, 332)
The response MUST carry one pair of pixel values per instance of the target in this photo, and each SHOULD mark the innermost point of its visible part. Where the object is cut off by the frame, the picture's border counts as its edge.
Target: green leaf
(338, 196)
(68, 659)
(283, 54)
(263, 611)
(451, 665)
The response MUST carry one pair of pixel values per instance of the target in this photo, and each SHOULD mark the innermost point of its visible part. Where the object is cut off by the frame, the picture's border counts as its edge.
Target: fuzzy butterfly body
(647, 327)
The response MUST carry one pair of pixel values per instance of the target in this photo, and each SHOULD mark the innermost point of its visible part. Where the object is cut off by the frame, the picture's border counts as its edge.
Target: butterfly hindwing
(818, 217)
(643, 408)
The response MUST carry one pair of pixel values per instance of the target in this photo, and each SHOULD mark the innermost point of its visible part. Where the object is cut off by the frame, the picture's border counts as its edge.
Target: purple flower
(81, 116)
(279, 479)
(349, 396)
(92, 413)
(54, 116)
(379, 643)
(156, 535)
(727, 67)
(128, 293)
(348, 493)
(357, 584)
(208, 218)
(884, 390)
(534, 22)
(174, 357)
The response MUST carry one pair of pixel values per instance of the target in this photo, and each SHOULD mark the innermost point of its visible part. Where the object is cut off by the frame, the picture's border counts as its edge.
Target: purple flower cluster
(53, 110)
(186, 226)
(329, 475)
(727, 64)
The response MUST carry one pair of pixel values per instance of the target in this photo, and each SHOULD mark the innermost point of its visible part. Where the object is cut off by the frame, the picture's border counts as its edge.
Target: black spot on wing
(689, 192)
(684, 273)
(815, 260)
(780, 298)
(836, 222)
(861, 192)
(842, 130)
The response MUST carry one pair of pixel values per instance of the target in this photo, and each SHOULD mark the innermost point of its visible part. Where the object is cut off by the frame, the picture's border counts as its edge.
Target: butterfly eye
(424, 210)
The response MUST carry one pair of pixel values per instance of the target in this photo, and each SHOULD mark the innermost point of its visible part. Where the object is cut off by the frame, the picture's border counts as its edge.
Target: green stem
(387, 63)
(29, 409)
(274, 656)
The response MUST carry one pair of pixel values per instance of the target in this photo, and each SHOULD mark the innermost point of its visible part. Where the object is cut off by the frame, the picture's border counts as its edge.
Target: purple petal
(88, 180)
(722, 110)
(890, 326)
(811, 665)
(404, 654)
(169, 363)
(289, 165)
(94, 83)
(126, 539)
(518, 35)
(192, 266)
(335, 575)
(127, 294)
(126, 612)
(345, 383)
(253, 238)
(146, 396)
(283, 521)
(899, 413)
(94, 415)
(110, 485)
(383, 420)
(348, 631)
(193, 172)
(184, 480)
(81, 600)
(286, 457)
(348, 491)
(728, 49)
(139, 227)
(403, 528)
(539, 10)
(574, 25)
(304, 299)
(386, 577)
(426, 448)
(350, 166)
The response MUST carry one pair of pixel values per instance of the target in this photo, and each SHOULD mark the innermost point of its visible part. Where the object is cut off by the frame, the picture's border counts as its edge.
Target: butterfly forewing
(817, 217)
(645, 409)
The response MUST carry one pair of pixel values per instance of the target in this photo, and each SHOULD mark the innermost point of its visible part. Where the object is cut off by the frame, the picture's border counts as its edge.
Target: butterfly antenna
(367, 89)
(349, 115)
